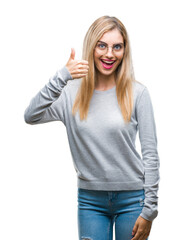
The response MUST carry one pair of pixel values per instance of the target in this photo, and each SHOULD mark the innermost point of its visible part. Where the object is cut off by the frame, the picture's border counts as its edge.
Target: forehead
(112, 36)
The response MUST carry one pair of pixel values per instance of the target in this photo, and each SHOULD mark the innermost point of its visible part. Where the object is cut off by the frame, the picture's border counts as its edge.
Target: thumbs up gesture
(77, 68)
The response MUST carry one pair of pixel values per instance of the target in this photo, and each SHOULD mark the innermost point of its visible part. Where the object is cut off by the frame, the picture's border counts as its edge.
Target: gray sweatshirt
(103, 146)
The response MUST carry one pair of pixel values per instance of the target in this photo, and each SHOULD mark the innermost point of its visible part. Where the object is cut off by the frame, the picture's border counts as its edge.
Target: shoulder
(139, 90)
(142, 94)
(138, 87)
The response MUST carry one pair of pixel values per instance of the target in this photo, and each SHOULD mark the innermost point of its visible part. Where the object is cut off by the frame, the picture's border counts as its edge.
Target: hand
(77, 68)
(141, 229)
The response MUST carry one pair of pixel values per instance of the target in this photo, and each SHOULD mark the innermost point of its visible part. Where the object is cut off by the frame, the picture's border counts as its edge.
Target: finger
(80, 71)
(134, 229)
(137, 236)
(72, 54)
(142, 237)
(83, 62)
(145, 236)
(79, 75)
(83, 66)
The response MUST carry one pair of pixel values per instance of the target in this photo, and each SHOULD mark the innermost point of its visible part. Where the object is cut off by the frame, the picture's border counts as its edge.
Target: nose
(109, 52)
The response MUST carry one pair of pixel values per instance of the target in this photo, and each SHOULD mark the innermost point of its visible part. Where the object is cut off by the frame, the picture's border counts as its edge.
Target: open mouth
(107, 64)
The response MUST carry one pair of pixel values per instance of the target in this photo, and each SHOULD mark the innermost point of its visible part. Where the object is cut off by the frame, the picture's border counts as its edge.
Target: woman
(102, 106)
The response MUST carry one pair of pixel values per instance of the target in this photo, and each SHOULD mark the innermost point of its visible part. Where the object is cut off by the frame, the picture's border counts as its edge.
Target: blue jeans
(98, 210)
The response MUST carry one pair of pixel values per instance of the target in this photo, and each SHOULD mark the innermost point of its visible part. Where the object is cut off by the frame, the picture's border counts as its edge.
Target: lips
(107, 63)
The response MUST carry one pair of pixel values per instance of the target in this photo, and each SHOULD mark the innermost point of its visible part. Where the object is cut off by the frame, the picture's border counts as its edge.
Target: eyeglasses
(102, 47)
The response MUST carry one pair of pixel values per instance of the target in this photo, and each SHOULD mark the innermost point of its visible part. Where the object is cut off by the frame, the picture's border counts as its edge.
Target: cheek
(119, 62)
(96, 60)
(119, 59)
(96, 57)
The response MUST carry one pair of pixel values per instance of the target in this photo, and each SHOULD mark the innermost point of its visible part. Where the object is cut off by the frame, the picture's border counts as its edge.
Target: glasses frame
(104, 51)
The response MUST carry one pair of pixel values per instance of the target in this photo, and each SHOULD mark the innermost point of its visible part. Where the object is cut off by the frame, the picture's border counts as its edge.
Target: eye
(117, 47)
(101, 46)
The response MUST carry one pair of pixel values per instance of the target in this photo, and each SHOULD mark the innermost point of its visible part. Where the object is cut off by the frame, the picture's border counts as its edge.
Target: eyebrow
(121, 43)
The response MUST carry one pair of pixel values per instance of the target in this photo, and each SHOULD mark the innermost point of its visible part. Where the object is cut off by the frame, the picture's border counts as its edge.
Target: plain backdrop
(38, 184)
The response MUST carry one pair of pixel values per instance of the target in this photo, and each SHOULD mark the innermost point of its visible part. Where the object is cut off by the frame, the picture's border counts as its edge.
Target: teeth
(109, 62)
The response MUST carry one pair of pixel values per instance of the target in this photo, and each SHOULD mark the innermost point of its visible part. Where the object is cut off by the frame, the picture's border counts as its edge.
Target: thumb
(72, 55)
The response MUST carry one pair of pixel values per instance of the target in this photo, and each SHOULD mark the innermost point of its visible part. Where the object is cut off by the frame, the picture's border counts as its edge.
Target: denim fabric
(99, 210)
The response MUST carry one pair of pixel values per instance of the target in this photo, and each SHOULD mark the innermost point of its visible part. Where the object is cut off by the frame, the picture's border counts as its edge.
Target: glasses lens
(103, 48)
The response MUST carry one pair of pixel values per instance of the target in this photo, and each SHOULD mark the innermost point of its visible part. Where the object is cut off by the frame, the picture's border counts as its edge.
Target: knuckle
(78, 71)
(85, 62)
(141, 231)
(78, 65)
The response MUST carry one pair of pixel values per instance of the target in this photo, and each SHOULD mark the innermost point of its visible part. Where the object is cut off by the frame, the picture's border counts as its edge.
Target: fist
(77, 68)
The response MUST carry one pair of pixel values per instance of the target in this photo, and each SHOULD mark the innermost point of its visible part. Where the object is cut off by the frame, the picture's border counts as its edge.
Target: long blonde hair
(124, 72)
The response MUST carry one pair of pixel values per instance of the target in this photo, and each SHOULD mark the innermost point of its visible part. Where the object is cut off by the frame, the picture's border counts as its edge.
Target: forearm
(46, 97)
(150, 209)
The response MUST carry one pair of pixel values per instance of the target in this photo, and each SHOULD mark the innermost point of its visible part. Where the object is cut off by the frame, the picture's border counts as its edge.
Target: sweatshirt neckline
(105, 91)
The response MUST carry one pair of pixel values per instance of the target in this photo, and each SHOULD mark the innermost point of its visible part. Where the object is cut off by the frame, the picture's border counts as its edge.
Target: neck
(105, 82)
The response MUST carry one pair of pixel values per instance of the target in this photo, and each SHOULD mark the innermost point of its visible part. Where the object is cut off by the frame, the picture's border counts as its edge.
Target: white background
(38, 185)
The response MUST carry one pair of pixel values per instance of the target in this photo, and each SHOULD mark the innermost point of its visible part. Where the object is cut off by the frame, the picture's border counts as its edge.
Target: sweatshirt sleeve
(151, 161)
(49, 103)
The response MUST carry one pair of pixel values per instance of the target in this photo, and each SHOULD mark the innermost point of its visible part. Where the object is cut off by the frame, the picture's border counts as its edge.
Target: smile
(107, 64)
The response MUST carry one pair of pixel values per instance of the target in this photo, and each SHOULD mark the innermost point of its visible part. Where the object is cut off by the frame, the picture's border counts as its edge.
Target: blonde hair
(124, 72)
